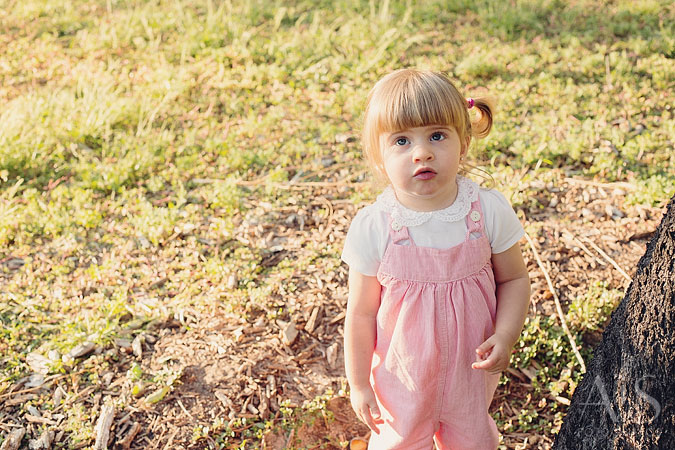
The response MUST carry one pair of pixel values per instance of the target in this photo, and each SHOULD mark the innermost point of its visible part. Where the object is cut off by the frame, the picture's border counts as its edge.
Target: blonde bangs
(416, 102)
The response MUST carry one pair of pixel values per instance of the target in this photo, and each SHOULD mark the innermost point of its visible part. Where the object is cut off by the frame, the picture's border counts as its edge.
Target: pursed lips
(424, 173)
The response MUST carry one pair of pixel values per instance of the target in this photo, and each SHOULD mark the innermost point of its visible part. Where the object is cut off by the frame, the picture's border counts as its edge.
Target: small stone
(107, 378)
(59, 393)
(34, 411)
(327, 161)
(39, 363)
(137, 346)
(289, 333)
(124, 344)
(14, 263)
(82, 349)
(614, 212)
(232, 281)
(35, 380)
(554, 202)
(143, 242)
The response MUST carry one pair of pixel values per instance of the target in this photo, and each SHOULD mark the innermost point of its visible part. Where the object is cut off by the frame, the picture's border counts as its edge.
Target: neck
(421, 203)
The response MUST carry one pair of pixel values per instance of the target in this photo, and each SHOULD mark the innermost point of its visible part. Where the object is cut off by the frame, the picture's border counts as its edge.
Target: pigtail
(481, 125)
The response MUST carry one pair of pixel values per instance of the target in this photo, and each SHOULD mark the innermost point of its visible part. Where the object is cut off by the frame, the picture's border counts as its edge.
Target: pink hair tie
(470, 102)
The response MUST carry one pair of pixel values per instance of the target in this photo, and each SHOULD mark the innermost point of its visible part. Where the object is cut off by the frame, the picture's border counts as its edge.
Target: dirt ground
(232, 367)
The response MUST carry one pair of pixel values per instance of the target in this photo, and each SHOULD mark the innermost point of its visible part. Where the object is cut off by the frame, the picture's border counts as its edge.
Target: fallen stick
(558, 307)
(129, 438)
(13, 440)
(607, 257)
(103, 426)
(584, 248)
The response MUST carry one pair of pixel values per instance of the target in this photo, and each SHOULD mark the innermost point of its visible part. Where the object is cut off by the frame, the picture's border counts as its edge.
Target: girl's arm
(362, 306)
(513, 295)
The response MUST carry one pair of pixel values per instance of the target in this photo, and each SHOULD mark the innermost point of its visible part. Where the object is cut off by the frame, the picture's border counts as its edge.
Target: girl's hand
(365, 407)
(493, 355)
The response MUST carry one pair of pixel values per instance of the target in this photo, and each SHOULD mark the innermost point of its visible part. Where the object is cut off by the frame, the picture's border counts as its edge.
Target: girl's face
(422, 164)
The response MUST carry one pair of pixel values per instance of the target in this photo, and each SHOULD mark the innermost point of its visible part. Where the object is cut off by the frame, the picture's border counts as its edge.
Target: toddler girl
(438, 290)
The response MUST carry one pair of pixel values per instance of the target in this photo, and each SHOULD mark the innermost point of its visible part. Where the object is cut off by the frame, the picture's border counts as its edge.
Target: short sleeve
(363, 247)
(501, 222)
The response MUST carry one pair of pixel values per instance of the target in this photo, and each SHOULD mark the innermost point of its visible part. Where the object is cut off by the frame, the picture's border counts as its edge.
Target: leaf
(157, 396)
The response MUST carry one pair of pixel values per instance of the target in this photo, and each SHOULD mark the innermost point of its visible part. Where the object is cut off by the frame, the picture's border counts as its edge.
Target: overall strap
(398, 232)
(475, 219)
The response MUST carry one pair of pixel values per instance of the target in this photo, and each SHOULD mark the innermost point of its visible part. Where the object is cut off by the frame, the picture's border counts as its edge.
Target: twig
(184, 410)
(584, 248)
(46, 384)
(103, 426)
(171, 438)
(41, 420)
(129, 438)
(607, 257)
(558, 307)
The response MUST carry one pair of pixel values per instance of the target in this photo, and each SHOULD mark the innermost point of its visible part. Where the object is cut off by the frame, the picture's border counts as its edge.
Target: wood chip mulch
(232, 365)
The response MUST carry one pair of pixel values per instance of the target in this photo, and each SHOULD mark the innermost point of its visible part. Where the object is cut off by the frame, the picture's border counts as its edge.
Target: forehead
(421, 129)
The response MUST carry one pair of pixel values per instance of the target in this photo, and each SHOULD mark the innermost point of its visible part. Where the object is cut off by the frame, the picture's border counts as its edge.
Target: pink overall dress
(436, 307)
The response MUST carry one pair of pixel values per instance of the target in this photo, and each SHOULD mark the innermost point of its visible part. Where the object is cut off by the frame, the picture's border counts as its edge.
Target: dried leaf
(158, 395)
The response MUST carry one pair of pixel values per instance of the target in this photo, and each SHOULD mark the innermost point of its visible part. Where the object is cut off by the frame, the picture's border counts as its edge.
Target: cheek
(393, 165)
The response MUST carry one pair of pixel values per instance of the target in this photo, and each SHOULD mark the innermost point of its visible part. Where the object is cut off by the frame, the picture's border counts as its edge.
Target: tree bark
(625, 400)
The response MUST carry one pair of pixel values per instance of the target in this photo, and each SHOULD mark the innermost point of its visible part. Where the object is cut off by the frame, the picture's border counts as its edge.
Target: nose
(422, 153)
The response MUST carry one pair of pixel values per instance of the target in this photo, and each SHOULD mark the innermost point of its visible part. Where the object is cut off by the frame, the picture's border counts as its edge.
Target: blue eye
(437, 136)
(401, 141)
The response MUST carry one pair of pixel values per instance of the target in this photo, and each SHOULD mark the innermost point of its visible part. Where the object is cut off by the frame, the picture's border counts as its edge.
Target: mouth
(424, 173)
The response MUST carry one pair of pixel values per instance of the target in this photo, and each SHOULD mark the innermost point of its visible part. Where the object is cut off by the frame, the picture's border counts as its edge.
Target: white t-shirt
(368, 234)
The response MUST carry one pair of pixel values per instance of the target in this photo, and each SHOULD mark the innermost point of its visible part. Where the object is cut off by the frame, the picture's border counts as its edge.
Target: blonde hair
(409, 98)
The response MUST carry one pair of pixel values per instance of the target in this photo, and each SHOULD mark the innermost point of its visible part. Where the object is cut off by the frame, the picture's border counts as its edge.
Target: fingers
(491, 357)
(486, 364)
(485, 347)
(370, 415)
(495, 363)
(365, 407)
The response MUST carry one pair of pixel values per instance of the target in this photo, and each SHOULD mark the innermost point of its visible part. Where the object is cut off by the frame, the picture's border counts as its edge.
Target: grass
(128, 123)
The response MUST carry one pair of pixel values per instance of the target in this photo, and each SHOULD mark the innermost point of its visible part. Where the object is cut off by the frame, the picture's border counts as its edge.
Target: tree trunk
(625, 400)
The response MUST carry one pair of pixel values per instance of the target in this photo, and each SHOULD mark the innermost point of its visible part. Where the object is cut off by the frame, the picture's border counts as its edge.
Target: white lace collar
(467, 192)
